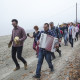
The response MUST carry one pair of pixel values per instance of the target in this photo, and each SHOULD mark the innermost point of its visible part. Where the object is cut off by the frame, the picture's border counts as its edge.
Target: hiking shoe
(25, 66)
(17, 68)
(36, 76)
(52, 70)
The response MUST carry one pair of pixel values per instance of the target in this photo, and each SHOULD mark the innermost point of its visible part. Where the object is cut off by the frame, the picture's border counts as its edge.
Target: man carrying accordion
(47, 44)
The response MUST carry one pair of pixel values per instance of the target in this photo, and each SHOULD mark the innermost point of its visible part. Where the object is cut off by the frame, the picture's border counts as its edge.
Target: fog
(36, 12)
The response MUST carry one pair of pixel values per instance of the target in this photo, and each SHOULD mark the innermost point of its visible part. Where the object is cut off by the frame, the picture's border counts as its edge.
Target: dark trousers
(71, 40)
(76, 36)
(18, 51)
(42, 54)
(59, 51)
(65, 39)
(53, 55)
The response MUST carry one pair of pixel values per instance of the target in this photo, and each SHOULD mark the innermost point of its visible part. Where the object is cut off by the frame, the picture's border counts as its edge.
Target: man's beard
(15, 26)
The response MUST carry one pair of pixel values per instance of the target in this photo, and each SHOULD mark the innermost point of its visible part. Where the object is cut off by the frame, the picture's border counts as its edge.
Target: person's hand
(28, 34)
(56, 45)
(9, 44)
(60, 40)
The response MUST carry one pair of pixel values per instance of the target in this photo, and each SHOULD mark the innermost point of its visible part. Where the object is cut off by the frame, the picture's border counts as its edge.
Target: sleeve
(52, 33)
(38, 36)
(68, 29)
(23, 34)
(55, 33)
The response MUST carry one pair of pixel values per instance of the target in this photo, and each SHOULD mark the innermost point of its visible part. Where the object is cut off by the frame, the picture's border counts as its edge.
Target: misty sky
(36, 12)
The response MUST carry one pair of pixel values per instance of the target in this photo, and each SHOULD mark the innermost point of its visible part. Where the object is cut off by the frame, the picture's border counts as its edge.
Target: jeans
(71, 40)
(66, 39)
(17, 50)
(42, 54)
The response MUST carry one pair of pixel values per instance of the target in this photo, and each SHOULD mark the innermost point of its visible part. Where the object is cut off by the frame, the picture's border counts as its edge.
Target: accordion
(48, 42)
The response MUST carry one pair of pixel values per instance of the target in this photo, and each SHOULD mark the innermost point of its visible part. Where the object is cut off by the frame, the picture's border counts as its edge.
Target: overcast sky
(36, 12)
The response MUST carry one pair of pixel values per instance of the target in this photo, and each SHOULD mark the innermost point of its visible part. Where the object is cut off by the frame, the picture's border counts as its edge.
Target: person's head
(76, 25)
(46, 26)
(71, 24)
(14, 22)
(64, 24)
(51, 24)
(60, 26)
(36, 28)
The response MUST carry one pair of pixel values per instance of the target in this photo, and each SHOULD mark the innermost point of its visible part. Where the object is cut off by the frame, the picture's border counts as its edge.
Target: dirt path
(6, 72)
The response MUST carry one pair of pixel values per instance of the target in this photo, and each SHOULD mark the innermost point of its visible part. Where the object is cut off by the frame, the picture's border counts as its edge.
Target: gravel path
(60, 63)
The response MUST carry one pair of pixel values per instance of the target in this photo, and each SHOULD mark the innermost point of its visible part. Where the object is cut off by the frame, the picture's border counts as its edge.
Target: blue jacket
(57, 32)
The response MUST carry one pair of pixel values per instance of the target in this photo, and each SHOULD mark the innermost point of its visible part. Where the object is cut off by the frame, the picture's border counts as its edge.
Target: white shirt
(76, 29)
(73, 31)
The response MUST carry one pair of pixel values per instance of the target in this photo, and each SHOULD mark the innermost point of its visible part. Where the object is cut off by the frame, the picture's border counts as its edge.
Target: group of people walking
(49, 29)
(70, 33)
